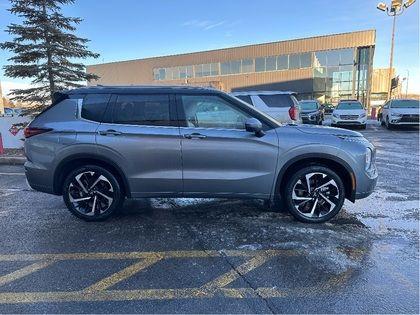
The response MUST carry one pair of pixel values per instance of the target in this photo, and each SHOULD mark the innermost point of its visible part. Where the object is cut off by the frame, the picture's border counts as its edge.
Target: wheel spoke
(314, 207)
(80, 183)
(97, 181)
(80, 199)
(94, 205)
(332, 205)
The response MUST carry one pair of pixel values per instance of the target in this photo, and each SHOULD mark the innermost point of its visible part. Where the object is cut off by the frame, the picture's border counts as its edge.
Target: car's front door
(141, 136)
(220, 158)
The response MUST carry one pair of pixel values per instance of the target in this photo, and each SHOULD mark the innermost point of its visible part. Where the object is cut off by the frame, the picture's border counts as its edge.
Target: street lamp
(397, 8)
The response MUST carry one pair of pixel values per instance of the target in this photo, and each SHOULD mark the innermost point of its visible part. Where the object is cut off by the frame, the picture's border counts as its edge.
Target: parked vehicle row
(399, 112)
(96, 146)
(349, 113)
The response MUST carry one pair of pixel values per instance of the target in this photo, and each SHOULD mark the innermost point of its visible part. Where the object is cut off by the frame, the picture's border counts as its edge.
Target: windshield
(405, 104)
(308, 105)
(349, 105)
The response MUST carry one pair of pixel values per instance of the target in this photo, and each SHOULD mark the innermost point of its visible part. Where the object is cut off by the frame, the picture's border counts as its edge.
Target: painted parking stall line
(102, 290)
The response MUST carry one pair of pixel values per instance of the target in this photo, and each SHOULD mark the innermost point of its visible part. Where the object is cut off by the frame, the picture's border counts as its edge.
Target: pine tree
(44, 49)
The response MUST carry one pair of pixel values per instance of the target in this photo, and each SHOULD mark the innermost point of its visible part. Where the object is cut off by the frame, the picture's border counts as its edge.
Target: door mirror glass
(254, 125)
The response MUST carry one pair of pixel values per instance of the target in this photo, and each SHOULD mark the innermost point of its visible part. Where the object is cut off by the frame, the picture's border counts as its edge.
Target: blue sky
(131, 29)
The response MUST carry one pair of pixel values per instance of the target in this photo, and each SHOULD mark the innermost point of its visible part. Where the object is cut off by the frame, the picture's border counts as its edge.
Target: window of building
(198, 71)
(225, 67)
(162, 74)
(259, 64)
(168, 74)
(214, 68)
(94, 106)
(206, 70)
(320, 59)
(175, 73)
(182, 72)
(294, 61)
(248, 65)
(305, 60)
(283, 62)
(156, 74)
(333, 57)
(346, 56)
(235, 66)
(212, 112)
(151, 110)
(270, 63)
(190, 72)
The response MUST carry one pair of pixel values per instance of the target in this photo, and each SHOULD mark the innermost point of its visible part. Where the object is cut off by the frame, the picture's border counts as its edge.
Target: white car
(282, 106)
(349, 113)
(398, 112)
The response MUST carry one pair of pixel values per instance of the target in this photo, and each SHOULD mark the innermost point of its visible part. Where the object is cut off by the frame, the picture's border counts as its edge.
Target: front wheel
(92, 193)
(314, 194)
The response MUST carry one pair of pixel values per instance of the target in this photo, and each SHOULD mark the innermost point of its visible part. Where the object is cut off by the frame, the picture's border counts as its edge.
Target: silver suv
(97, 146)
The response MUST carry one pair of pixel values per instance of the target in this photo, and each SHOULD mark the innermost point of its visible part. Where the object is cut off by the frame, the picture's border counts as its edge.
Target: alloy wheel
(315, 195)
(91, 193)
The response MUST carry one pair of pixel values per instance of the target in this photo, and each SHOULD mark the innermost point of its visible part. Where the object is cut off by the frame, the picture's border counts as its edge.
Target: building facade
(328, 68)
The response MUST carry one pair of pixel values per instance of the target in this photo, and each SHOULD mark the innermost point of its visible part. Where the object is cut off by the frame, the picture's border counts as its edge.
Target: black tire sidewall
(118, 198)
(294, 178)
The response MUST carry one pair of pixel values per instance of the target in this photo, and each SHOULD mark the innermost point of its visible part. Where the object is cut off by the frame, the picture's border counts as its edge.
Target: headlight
(362, 115)
(369, 154)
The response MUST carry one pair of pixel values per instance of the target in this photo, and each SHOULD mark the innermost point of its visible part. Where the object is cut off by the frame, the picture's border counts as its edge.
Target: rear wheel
(92, 193)
(314, 194)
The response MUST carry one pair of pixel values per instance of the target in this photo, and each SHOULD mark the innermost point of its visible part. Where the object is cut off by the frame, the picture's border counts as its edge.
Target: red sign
(14, 130)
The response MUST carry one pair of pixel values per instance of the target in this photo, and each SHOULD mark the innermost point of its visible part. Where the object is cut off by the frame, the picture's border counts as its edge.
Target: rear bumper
(38, 178)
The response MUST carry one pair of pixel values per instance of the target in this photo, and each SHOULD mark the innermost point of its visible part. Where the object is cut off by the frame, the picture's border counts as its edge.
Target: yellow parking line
(234, 274)
(25, 271)
(140, 255)
(122, 275)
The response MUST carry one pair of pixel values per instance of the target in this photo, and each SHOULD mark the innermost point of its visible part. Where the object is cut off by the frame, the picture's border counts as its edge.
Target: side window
(210, 111)
(245, 98)
(150, 110)
(94, 106)
(278, 100)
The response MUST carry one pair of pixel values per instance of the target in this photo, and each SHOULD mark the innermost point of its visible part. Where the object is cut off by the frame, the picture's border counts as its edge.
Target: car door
(220, 158)
(140, 134)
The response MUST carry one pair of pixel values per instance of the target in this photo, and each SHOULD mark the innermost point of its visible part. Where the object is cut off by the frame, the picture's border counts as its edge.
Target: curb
(12, 160)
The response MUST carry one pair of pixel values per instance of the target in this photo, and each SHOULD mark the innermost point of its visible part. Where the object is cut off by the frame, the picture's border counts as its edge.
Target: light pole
(406, 86)
(397, 8)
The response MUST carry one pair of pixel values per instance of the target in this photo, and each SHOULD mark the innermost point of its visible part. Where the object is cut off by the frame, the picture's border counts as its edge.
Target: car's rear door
(140, 134)
(219, 157)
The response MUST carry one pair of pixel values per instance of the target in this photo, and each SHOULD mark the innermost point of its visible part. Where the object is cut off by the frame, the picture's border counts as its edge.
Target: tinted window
(150, 110)
(247, 65)
(260, 64)
(245, 98)
(208, 111)
(282, 62)
(278, 100)
(405, 104)
(305, 60)
(94, 106)
(308, 105)
(270, 63)
(349, 105)
(294, 62)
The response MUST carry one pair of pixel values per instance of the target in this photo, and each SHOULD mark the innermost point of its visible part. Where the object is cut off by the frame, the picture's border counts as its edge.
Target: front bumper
(338, 121)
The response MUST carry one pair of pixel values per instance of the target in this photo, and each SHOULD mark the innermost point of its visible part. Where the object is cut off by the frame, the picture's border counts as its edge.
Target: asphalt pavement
(217, 256)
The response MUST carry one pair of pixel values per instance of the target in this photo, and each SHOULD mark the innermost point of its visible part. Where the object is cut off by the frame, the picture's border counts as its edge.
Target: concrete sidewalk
(12, 160)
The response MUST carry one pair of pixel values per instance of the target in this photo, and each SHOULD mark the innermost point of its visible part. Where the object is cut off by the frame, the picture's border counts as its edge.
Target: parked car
(349, 113)
(99, 145)
(282, 106)
(311, 112)
(400, 112)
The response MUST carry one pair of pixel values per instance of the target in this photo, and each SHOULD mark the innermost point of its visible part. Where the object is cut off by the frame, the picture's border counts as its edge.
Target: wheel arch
(338, 165)
(71, 162)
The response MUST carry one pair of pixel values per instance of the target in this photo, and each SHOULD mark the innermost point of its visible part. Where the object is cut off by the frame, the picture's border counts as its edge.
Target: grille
(349, 117)
(410, 118)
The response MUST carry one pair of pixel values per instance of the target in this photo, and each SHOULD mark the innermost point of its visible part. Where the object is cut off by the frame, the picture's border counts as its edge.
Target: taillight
(293, 113)
(29, 131)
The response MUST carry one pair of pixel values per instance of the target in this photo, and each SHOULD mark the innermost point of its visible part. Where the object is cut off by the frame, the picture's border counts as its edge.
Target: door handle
(109, 132)
(194, 136)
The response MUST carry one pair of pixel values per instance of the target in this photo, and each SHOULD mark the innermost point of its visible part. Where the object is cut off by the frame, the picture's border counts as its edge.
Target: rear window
(349, 105)
(94, 106)
(152, 110)
(245, 98)
(405, 104)
(308, 105)
(278, 100)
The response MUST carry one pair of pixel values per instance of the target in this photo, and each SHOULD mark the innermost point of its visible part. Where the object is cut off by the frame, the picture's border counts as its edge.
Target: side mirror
(254, 125)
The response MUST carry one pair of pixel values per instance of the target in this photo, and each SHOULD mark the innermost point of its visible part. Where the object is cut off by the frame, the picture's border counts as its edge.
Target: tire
(388, 124)
(312, 206)
(99, 189)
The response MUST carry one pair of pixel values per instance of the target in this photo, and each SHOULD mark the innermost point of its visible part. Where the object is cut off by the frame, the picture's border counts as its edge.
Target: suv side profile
(282, 106)
(96, 146)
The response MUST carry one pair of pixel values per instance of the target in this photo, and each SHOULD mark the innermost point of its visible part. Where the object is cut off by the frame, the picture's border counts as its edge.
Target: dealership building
(327, 68)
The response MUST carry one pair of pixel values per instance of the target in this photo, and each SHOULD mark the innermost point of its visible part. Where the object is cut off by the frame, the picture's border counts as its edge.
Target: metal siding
(141, 71)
